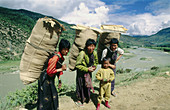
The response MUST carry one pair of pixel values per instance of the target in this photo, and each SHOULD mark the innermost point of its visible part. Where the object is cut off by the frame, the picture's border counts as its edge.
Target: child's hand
(112, 66)
(105, 80)
(64, 67)
(94, 67)
(90, 69)
(108, 80)
(59, 84)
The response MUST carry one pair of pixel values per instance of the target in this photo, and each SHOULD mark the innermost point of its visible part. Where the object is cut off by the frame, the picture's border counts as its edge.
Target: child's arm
(51, 69)
(119, 57)
(112, 66)
(120, 52)
(95, 59)
(79, 63)
(58, 75)
(59, 81)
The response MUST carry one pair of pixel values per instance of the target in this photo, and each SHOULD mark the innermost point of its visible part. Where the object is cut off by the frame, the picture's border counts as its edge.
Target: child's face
(64, 51)
(113, 47)
(91, 48)
(106, 64)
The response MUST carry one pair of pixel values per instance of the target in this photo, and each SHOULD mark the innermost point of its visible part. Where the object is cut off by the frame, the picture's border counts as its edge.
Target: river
(10, 82)
(152, 58)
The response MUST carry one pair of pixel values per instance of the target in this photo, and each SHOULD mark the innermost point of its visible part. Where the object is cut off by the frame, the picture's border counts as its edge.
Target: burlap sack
(43, 39)
(104, 41)
(108, 32)
(82, 35)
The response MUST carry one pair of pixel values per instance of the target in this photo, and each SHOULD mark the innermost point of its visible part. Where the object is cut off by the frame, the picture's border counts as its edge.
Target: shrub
(28, 95)
(154, 68)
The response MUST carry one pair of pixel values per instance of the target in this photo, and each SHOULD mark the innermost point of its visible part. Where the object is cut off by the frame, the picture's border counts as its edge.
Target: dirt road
(149, 94)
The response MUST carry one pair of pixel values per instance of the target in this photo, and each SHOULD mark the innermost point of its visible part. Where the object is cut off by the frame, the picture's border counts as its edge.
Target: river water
(11, 81)
(152, 58)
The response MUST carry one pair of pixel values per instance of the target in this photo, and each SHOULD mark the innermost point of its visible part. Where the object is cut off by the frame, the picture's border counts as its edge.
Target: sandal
(78, 103)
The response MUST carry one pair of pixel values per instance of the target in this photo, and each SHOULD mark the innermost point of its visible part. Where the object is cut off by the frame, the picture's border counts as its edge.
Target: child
(86, 63)
(105, 75)
(47, 93)
(111, 53)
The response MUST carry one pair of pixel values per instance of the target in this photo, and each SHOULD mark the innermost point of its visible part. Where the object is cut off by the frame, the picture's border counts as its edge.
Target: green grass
(128, 78)
(166, 49)
(9, 66)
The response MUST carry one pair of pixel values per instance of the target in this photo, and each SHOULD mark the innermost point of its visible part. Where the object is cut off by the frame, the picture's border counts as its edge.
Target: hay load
(43, 39)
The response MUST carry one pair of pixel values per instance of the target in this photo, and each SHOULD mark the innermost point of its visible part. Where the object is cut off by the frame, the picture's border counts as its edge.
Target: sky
(140, 17)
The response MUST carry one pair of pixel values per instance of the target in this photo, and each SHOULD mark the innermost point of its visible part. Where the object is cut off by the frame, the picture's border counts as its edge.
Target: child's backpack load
(108, 32)
(83, 33)
(42, 41)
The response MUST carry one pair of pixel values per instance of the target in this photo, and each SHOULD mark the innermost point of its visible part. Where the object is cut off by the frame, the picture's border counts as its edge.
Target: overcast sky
(140, 17)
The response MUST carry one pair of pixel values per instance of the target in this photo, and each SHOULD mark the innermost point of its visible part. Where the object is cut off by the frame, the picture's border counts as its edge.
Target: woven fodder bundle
(43, 39)
(82, 35)
(108, 32)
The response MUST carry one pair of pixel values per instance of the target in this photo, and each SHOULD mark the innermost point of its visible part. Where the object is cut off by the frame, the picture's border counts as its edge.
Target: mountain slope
(161, 38)
(16, 27)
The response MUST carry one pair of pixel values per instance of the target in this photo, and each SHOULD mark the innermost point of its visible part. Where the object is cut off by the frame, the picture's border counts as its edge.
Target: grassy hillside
(16, 27)
(127, 41)
(161, 38)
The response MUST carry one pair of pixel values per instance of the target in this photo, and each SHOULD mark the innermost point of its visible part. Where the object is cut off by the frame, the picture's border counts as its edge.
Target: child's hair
(114, 41)
(64, 44)
(105, 59)
(89, 42)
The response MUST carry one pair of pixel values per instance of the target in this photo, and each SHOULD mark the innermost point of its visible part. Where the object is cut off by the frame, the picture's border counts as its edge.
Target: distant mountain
(16, 27)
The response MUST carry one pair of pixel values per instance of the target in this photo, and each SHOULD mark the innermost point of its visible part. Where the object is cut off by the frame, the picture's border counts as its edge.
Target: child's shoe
(98, 107)
(107, 104)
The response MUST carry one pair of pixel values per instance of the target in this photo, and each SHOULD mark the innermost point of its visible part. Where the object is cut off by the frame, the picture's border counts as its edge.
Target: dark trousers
(82, 92)
(47, 93)
(113, 82)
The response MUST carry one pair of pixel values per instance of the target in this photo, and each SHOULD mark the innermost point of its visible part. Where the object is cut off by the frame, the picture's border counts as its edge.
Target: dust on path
(149, 94)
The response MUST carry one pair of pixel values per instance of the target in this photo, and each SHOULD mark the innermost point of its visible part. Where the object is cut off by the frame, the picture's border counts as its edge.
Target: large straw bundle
(108, 32)
(44, 38)
(82, 35)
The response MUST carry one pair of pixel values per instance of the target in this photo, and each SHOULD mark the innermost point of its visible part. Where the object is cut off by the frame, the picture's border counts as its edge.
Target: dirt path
(149, 94)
